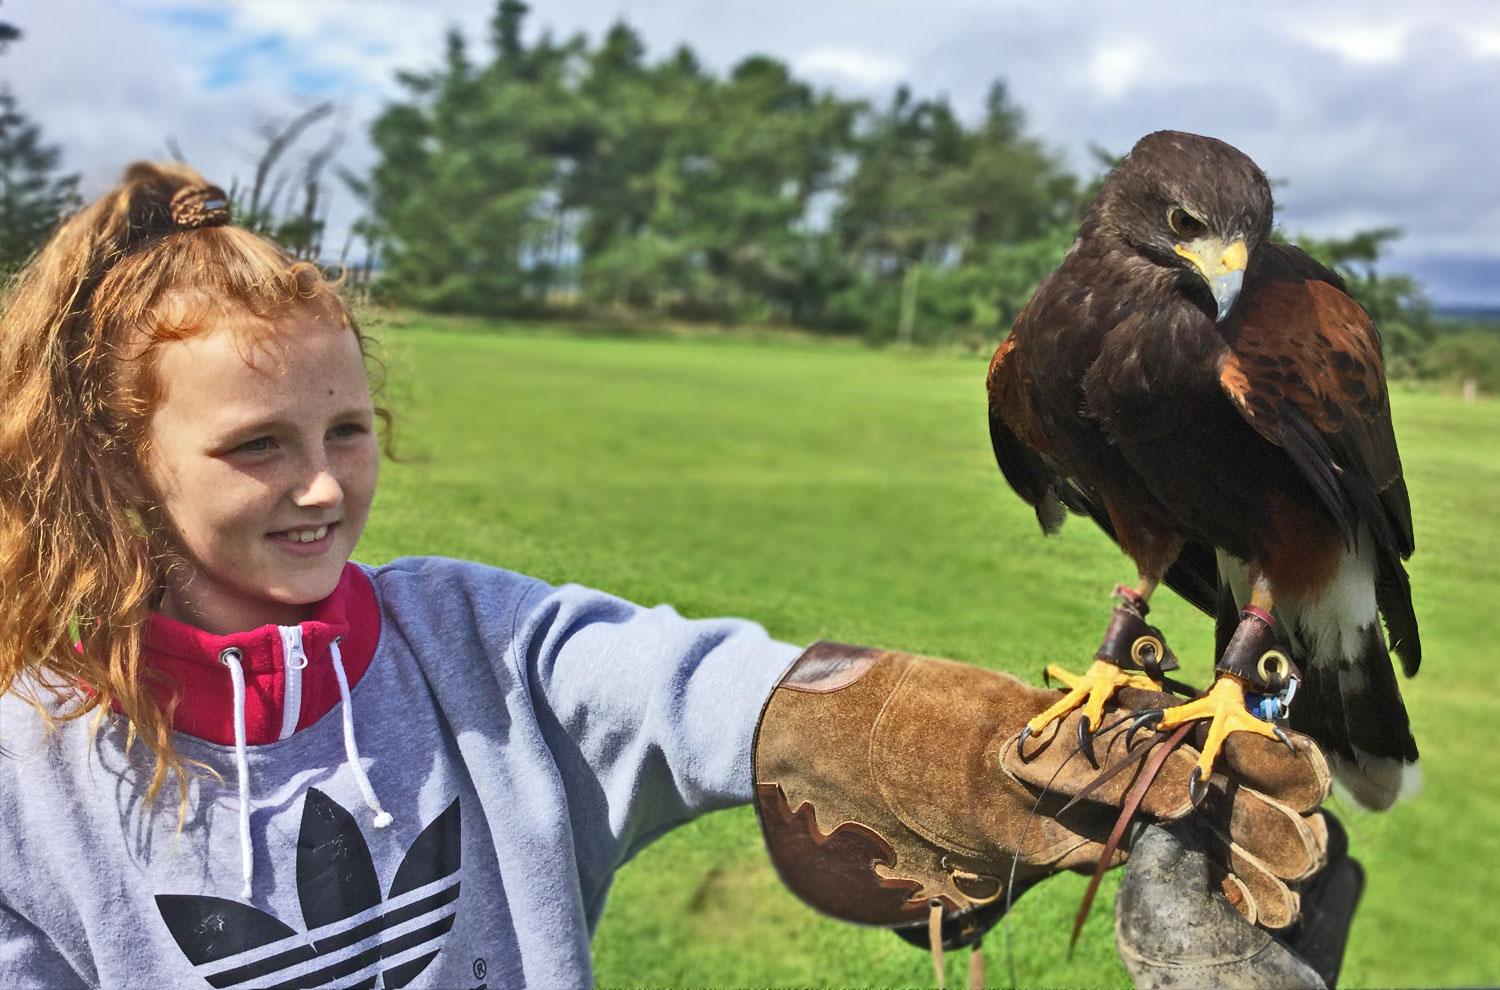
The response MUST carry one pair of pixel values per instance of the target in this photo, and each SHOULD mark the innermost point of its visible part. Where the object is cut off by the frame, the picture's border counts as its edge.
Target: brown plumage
(1217, 403)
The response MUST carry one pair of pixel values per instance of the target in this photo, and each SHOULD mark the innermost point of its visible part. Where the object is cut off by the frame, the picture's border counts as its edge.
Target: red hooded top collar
(190, 657)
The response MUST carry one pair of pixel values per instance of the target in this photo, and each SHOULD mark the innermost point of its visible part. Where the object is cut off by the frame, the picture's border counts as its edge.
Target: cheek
(214, 502)
(360, 472)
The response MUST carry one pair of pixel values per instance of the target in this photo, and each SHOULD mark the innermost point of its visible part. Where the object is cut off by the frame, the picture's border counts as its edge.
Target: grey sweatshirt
(524, 740)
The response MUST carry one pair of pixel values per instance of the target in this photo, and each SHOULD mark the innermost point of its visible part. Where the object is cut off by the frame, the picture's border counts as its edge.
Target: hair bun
(200, 206)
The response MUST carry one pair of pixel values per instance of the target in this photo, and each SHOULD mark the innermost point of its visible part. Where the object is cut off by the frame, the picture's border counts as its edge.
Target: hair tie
(200, 206)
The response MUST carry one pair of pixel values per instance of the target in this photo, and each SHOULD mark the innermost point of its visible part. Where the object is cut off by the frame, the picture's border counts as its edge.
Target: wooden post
(909, 285)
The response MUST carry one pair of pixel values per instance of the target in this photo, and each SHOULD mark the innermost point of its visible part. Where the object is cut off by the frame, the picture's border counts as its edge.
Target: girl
(420, 774)
(188, 454)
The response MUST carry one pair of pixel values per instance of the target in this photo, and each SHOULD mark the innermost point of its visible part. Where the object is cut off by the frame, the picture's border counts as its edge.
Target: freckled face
(265, 461)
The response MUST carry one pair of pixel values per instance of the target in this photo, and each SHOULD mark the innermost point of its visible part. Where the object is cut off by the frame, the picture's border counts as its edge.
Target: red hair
(83, 545)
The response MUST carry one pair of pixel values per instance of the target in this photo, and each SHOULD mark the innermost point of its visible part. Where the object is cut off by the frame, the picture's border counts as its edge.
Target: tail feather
(1393, 592)
(1351, 705)
(1349, 700)
(1375, 784)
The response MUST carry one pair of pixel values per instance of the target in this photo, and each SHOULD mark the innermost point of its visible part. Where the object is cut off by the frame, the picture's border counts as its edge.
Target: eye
(257, 446)
(343, 431)
(1184, 224)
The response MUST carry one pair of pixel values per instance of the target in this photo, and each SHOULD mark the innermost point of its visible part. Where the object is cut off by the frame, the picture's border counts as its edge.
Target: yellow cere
(1235, 256)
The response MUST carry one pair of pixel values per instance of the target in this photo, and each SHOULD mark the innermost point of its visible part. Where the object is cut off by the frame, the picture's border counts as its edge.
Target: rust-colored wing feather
(1305, 369)
(1020, 447)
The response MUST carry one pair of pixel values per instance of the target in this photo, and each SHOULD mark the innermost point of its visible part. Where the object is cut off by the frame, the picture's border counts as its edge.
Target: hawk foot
(1088, 691)
(1224, 705)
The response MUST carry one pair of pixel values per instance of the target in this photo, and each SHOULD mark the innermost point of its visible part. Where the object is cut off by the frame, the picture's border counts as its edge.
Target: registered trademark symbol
(480, 968)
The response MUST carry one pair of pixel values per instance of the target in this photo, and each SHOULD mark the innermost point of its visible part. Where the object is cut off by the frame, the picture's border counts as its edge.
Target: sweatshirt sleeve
(653, 713)
(29, 959)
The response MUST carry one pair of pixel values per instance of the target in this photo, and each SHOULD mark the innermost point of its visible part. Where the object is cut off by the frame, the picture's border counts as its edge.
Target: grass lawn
(834, 492)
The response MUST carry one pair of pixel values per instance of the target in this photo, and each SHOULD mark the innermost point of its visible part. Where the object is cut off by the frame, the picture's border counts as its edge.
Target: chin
(307, 590)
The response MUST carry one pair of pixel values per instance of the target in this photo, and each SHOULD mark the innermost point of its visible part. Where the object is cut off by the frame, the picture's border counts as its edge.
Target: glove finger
(1299, 779)
(1238, 896)
(1274, 904)
(1289, 845)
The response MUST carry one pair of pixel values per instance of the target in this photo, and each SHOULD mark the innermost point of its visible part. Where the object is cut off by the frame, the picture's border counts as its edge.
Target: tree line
(583, 178)
(569, 176)
(579, 178)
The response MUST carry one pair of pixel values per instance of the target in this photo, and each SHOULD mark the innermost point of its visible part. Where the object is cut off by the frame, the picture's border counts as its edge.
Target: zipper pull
(294, 657)
(291, 641)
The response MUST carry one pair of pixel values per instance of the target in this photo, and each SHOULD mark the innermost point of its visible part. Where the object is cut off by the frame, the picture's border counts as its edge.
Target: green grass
(830, 491)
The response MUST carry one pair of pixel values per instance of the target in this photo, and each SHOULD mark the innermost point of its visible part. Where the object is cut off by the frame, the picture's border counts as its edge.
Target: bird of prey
(1216, 401)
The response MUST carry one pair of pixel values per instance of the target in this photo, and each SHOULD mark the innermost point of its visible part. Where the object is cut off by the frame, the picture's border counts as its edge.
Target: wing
(1026, 461)
(1305, 369)
(1017, 439)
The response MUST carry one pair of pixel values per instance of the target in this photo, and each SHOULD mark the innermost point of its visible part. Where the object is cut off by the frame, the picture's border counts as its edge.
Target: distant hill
(1485, 316)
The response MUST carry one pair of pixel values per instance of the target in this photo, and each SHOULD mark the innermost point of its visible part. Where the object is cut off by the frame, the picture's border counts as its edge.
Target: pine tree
(32, 196)
(8, 33)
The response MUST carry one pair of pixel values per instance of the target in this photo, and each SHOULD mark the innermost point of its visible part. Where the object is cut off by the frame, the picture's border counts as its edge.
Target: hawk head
(1192, 206)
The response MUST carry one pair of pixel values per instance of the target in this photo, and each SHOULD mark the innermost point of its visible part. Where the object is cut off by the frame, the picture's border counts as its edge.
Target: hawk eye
(1184, 224)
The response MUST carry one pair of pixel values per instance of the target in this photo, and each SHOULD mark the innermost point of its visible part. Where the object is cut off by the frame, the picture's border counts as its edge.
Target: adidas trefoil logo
(352, 937)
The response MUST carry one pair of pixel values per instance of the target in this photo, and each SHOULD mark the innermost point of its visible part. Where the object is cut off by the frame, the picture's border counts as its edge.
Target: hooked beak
(1222, 267)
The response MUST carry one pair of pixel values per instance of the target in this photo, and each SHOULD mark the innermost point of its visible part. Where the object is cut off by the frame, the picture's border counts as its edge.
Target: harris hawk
(1216, 402)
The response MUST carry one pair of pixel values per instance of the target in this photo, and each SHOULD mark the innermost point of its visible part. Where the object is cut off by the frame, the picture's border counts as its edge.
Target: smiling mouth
(312, 535)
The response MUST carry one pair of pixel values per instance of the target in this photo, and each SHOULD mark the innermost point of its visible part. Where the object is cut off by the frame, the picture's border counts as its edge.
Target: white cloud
(1359, 42)
(1116, 66)
(1374, 110)
(863, 68)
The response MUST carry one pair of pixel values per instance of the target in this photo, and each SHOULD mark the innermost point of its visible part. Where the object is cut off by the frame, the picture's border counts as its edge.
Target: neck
(224, 615)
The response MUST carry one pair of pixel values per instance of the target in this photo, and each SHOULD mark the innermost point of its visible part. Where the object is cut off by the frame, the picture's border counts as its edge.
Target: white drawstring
(231, 659)
(382, 817)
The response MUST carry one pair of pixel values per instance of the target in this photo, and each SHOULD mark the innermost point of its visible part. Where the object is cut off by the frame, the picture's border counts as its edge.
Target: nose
(320, 489)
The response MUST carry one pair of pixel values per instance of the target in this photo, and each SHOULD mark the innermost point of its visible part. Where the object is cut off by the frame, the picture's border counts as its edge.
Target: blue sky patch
(235, 63)
(320, 82)
(203, 20)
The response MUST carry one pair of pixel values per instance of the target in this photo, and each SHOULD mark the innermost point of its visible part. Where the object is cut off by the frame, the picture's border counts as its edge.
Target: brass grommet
(1152, 643)
(1277, 663)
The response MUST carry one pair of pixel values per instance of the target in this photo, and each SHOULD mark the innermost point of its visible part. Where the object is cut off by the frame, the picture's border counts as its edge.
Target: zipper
(294, 656)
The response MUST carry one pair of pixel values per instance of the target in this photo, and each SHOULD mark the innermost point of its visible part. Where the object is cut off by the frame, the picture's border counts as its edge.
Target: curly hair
(84, 547)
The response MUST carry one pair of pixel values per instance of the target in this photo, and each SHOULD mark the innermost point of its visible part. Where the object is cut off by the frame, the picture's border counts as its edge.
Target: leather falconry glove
(891, 791)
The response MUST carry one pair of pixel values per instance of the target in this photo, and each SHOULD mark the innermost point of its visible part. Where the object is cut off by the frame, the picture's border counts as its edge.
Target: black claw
(1025, 735)
(1145, 719)
(1086, 740)
(1281, 734)
(1046, 677)
(1197, 789)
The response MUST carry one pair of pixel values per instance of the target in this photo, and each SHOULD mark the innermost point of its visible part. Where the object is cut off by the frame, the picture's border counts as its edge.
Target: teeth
(306, 535)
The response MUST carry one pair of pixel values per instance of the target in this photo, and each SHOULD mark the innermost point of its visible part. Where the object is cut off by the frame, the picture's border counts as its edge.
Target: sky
(1373, 113)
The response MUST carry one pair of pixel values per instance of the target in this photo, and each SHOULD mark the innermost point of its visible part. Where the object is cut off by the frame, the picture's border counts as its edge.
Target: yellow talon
(1089, 691)
(1225, 704)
